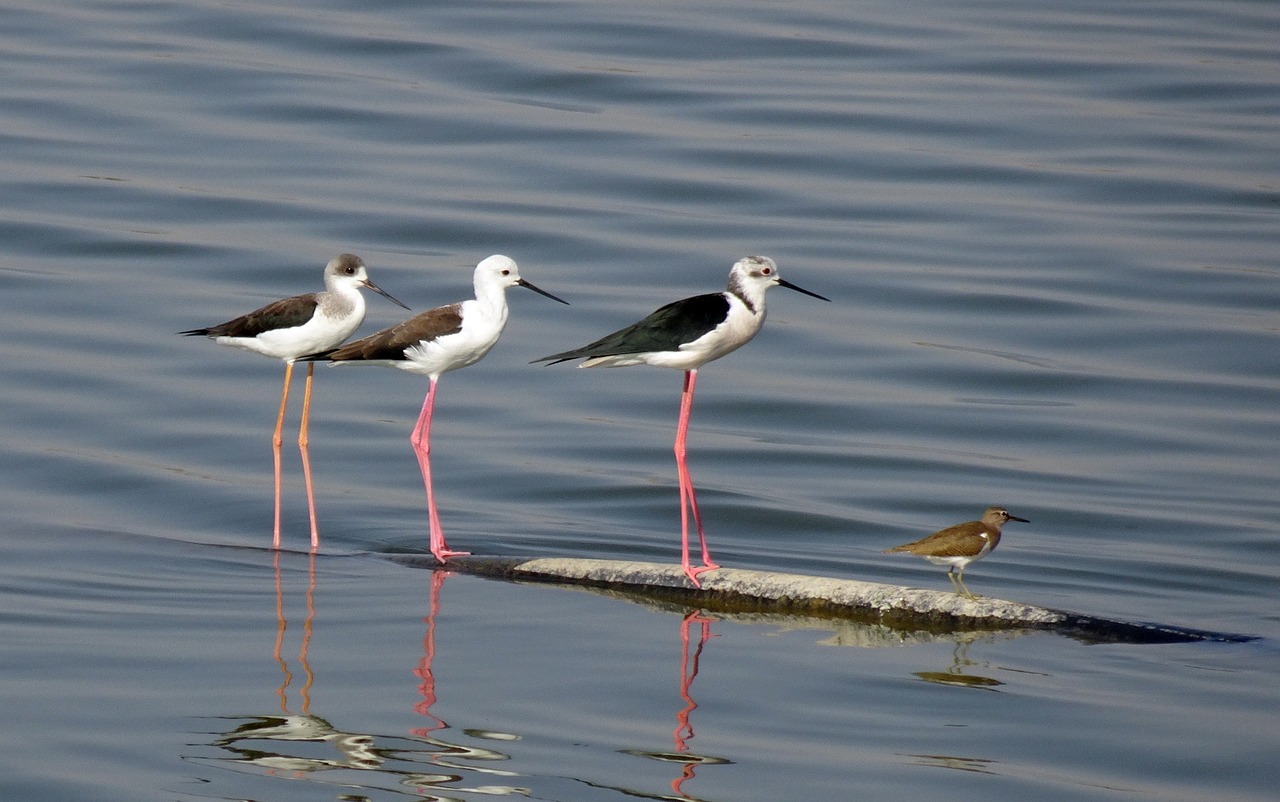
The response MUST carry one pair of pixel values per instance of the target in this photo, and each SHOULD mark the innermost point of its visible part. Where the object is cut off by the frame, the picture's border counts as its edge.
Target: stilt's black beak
(527, 285)
(384, 293)
(782, 282)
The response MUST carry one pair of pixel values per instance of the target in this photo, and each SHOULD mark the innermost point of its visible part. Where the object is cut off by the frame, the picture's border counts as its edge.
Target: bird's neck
(751, 296)
(342, 303)
(492, 302)
(747, 305)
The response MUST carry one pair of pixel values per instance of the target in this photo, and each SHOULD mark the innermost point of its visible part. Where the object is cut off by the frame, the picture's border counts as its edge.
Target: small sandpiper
(959, 545)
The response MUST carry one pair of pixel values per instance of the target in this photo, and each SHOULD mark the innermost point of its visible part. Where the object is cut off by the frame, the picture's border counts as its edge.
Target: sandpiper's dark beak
(782, 282)
(527, 285)
(1016, 518)
(383, 293)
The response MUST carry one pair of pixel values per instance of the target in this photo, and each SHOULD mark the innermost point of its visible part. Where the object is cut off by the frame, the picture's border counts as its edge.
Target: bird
(433, 343)
(959, 545)
(294, 327)
(685, 335)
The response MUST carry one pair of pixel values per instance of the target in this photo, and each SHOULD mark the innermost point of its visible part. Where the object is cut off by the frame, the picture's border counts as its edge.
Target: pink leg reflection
(423, 672)
(683, 732)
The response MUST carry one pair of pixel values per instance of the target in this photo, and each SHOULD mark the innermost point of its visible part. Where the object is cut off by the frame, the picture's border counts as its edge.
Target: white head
(752, 275)
(500, 272)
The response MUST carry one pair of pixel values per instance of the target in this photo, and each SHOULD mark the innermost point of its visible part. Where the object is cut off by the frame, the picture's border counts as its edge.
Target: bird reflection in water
(437, 751)
(955, 673)
(247, 741)
(690, 658)
(424, 671)
(280, 744)
(308, 627)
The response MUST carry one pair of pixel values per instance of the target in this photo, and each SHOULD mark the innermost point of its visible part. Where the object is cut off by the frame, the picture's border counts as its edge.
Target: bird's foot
(443, 554)
(693, 573)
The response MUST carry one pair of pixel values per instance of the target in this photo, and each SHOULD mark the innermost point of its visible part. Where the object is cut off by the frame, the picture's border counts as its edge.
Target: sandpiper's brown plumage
(959, 545)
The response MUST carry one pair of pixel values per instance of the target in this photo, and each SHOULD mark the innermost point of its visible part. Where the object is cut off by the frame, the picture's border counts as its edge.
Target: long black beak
(384, 293)
(782, 282)
(1016, 518)
(527, 285)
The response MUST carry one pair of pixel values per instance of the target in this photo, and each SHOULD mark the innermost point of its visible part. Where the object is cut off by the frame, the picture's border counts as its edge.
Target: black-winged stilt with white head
(957, 546)
(686, 335)
(294, 327)
(435, 342)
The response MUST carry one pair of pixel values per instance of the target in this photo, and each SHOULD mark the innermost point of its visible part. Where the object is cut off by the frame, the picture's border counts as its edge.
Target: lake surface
(1050, 241)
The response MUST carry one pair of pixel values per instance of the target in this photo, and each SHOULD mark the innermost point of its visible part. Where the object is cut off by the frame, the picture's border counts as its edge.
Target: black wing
(666, 329)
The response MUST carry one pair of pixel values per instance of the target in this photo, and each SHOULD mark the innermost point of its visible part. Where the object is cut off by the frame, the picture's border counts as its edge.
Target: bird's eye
(506, 272)
(765, 271)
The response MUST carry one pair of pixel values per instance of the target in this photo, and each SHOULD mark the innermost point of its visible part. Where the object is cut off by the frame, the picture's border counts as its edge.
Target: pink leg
(303, 441)
(276, 441)
(421, 442)
(688, 500)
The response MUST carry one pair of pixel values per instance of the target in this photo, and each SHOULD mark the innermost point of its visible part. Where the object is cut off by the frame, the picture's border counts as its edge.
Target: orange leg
(306, 457)
(276, 441)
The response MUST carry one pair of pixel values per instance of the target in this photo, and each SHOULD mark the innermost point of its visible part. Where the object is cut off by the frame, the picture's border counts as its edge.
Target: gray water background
(1049, 234)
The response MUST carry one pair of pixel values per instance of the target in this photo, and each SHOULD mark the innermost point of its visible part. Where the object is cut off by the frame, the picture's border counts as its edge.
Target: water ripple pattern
(1049, 237)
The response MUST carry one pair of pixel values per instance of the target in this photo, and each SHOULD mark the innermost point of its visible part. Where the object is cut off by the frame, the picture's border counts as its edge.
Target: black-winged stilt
(437, 341)
(686, 335)
(294, 327)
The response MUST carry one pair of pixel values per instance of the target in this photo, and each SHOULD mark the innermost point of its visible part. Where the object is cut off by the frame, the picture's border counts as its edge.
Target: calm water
(1050, 238)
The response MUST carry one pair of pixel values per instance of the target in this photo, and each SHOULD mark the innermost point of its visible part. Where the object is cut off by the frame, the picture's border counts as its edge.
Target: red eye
(766, 271)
